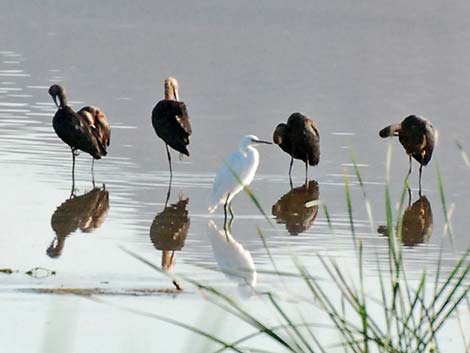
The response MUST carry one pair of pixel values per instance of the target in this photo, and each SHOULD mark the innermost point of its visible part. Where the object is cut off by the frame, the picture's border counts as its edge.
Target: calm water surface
(243, 67)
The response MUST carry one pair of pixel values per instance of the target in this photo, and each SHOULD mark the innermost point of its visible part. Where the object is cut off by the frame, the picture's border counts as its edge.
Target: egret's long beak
(261, 141)
(56, 101)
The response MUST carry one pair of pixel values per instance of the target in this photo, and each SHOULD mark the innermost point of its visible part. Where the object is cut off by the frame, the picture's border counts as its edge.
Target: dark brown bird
(300, 139)
(416, 135)
(171, 121)
(417, 223)
(85, 212)
(293, 208)
(98, 121)
(169, 230)
(87, 130)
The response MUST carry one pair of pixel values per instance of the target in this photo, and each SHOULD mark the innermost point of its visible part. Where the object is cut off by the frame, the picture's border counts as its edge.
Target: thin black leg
(73, 171)
(169, 161)
(290, 166)
(231, 211)
(420, 174)
(306, 171)
(93, 171)
(168, 193)
(409, 170)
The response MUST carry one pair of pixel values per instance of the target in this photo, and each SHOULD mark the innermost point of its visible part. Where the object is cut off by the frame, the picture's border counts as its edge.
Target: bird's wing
(429, 143)
(225, 181)
(183, 118)
(313, 126)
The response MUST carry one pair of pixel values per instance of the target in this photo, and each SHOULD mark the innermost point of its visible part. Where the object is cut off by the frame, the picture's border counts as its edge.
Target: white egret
(233, 259)
(237, 172)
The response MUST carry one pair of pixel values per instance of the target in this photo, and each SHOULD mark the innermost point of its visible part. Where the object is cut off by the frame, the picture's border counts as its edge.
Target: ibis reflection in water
(232, 258)
(85, 212)
(417, 223)
(300, 139)
(171, 121)
(297, 209)
(417, 136)
(87, 130)
(169, 230)
(236, 173)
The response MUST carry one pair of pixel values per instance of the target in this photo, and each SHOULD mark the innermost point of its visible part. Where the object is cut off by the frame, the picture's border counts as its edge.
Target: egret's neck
(251, 152)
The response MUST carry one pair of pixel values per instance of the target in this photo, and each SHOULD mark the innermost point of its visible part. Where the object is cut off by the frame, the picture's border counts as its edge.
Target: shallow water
(243, 67)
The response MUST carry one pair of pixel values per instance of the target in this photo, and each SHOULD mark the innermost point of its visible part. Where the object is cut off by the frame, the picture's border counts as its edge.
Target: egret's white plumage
(233, 259)
(242, 163)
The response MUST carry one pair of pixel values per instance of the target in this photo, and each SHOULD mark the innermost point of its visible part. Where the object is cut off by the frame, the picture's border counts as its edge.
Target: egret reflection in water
(291, 208)
(169, 230)
(232, 258)
(85, 212)
(417, 223)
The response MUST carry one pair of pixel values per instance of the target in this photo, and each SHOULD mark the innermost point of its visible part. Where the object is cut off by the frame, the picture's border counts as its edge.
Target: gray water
(243, 67)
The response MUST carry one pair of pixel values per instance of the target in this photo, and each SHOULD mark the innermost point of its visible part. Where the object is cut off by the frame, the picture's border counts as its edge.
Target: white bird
(233, 259)
(237, 172)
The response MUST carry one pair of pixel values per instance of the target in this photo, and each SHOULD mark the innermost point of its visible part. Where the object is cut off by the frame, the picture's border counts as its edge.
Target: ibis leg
(93, 171)
(420, 174)
(169, 161)
(306, 171)
(168, 193)
(409, 170)
(73, 171)
(290, 166)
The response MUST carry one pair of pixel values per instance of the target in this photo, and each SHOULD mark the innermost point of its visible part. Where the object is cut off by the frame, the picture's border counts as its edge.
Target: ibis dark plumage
(300, 139)
(416, 135)
(87, 130)
(171, 121)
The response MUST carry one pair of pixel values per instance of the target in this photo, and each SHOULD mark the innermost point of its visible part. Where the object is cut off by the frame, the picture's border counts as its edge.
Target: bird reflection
(291, 209)
(169, 230)
(85, 212)
(233, 259)
(417, 223)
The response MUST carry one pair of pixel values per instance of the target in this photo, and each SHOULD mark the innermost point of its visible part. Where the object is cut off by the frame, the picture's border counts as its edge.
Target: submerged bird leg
(169, 161)
(290, 166)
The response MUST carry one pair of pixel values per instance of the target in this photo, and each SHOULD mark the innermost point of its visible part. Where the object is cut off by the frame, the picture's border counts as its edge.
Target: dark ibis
(416, 224)
(87, 130)
(297, 209)
(86, 212)
(300, 139)
(171, 121)
(417, 136)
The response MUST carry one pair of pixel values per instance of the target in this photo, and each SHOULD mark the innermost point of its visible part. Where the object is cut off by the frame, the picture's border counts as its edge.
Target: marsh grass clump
(401, 315)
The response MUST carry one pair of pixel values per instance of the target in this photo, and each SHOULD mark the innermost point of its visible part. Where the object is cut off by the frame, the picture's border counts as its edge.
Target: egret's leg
(290, 166)
(169, 161)
(225, 208)
(230, 209)
(420, 173)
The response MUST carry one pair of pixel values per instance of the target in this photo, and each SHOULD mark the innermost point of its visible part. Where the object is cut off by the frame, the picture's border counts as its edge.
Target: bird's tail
(391, 130)
(213, 204)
